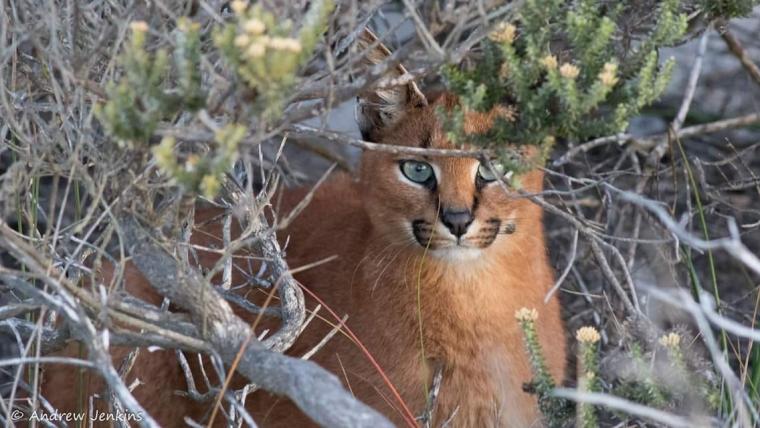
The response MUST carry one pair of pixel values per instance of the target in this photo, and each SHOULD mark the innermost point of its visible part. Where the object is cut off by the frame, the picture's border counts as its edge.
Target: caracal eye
(486, 174)
(416, 171)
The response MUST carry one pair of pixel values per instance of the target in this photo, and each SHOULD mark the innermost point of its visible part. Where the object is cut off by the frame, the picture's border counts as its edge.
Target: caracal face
(453, 208)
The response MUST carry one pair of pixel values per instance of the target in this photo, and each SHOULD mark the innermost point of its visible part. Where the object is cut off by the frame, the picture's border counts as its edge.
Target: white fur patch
(437, 172)
(457, 253)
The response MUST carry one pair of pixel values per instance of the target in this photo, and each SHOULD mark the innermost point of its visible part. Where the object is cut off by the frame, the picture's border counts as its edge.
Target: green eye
(486, 174)
(418, 172)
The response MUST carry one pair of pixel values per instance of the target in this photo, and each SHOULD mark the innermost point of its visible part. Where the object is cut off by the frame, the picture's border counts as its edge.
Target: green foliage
(656, 373)
(753, 369)
(588, 343)
(202, 173)
(153, 88)
(660, 375)
(642, 386)
(671, 342)
(263, 53)
(582, 91)
(143, 95)
(727, 8)
(555, 410)
(187, 59)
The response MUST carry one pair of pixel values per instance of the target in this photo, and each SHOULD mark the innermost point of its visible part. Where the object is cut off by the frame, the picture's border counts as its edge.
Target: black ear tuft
(382, 106)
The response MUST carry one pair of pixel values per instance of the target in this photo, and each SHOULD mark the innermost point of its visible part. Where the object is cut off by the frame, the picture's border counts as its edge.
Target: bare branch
(738, 50)
(318, 393)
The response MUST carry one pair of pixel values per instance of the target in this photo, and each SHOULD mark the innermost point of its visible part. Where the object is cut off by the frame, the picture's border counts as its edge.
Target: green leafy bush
(558, 65)
(263, 53)
(144, 95)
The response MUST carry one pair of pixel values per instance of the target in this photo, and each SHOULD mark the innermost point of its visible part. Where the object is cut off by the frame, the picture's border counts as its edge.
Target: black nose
(457, 221)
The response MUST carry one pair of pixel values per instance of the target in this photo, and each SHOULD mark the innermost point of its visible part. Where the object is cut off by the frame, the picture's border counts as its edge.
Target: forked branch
(316, 392)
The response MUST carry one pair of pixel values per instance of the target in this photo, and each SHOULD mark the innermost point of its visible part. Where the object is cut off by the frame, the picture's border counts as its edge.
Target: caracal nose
(457, 221)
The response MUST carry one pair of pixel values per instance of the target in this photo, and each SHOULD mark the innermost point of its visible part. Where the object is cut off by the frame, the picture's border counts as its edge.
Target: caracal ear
(393, 95)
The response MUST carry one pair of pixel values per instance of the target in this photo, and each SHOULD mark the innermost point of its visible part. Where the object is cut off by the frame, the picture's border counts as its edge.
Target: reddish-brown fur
(385, 281)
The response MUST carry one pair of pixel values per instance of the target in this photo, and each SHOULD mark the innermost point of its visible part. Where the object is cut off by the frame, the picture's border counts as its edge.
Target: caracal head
(453, 208)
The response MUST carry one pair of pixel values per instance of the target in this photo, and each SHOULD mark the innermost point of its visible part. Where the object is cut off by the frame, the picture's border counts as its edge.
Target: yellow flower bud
(587, 335)
(256, 50)
(569, 71)
(549, 61)
(503, 33)
(239, 6)
(525, 314)
(608, 75)
(254, 27)
(670, 340)
(285, 44)
(139, 26)
(242, 40)
(294, 46)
